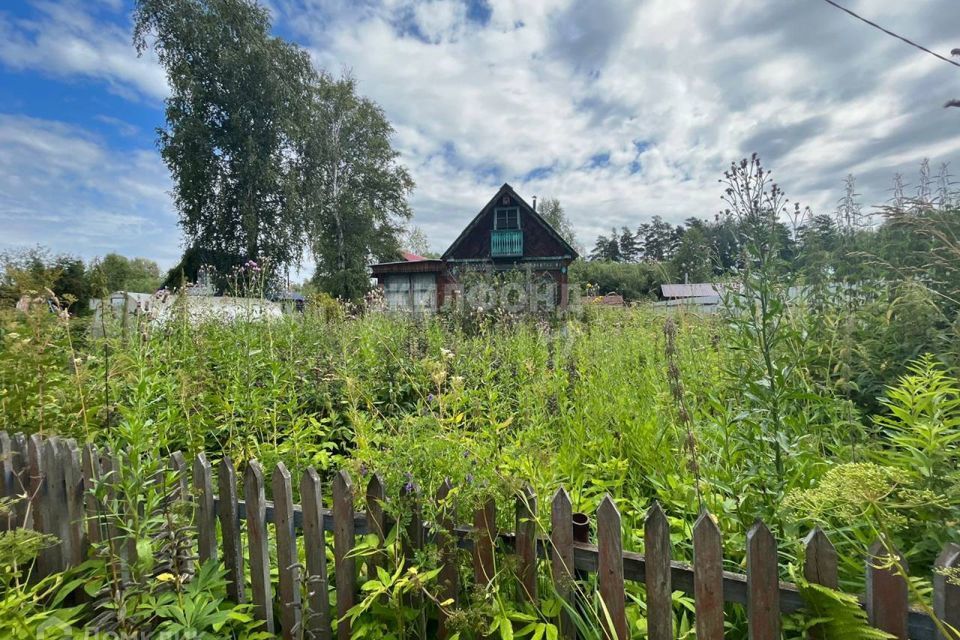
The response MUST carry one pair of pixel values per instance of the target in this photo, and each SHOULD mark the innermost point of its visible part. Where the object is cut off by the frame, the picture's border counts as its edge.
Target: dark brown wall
(538, 242)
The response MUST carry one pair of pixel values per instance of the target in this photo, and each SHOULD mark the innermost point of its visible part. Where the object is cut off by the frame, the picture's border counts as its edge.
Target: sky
(620, 109)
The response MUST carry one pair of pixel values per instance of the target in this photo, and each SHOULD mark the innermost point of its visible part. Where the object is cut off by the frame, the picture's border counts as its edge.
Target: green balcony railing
(506, 242)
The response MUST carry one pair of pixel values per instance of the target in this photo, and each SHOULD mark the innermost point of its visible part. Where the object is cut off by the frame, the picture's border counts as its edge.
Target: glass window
(507, 218)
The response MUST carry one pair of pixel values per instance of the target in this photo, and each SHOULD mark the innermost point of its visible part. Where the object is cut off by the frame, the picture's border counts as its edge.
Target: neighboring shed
(703, 295)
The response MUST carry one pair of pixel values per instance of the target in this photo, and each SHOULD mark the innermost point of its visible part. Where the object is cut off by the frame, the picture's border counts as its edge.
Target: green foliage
(118, 273)
(268, 156)
(634, 281)
(354, 192)
(61, 279)
(552, 211)
(838, 614)
(238, 98)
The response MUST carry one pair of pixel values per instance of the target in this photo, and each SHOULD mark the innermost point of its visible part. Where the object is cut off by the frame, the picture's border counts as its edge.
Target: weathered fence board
(344, 535)
(256, 513)
(317, 619)
(562, 559)
(230, 529)
(887, 598)
(526, 529)
(287, 559)
(708, 578)
(205, 513)
(820, 567)
(376, 523)
(446, 544)
(610, 571)
(59, 479)
(763, 584)
(657, 549)
(946, 593)
(485, 529)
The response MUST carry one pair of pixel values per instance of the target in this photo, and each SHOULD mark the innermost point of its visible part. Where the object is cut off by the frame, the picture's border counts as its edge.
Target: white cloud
(67, 41)
(64, 188)
(621, 109)
(815, 92)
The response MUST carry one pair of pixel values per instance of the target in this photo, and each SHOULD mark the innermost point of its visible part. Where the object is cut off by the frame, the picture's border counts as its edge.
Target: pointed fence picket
(57, 479)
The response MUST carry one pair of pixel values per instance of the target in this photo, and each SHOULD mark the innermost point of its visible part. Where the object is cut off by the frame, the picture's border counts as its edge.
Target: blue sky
(621, 109)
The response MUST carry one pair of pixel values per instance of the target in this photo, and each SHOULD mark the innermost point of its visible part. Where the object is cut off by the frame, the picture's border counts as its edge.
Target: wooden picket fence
(56, 476)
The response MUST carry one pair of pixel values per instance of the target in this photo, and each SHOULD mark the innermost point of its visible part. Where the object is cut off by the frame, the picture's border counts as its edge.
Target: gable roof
(506, 189)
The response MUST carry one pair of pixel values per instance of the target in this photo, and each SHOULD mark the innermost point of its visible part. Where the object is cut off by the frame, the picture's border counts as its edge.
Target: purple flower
(469, 478)
(408, 487)
(466, 454)
(430, 398)
(363, 468)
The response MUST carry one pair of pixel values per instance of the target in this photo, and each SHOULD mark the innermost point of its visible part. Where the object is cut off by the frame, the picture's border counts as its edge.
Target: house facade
(506, 235)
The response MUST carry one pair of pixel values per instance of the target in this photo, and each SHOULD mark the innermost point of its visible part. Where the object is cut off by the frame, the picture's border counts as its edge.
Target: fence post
(657, 553)
(256, 504)
(820, 559)
(413, 541)
(205, 517)
(485, 529)
(35, 486)
(376, 522)
(315, 549)
(763, 584)
(73, 490)
(610, 570)
(887, 598)
(230, 529)
(287, 558)
(819, 567)
(91, 474)
(708, 578)
(178, 463)
(6, 480)
(345, 568)
(561, 558)
(526, 529)
(21, 482)
(53, 505)
(449, 573)
(946, 594)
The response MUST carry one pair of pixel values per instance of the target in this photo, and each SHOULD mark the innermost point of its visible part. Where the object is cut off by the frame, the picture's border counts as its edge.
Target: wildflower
(446, 353)
(363, 469)
(430, 398)
(466, 454)
(469, 478)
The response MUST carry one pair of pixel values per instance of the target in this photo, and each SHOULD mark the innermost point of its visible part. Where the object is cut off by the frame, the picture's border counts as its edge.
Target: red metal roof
(412, 257)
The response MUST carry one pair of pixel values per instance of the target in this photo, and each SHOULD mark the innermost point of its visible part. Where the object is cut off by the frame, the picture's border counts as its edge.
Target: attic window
(507, 218)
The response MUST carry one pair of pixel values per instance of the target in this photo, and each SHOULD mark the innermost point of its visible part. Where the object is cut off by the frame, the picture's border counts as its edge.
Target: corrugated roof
(412, 257)
(696, 290)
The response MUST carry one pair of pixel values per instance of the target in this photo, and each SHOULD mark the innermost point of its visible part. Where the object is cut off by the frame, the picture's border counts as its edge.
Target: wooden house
(507, 234)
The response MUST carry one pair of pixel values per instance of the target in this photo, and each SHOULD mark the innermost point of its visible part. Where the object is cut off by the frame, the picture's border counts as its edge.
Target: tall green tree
(607, 248)
(552, 211)
(354, 190)
(238, 98)
(115, 272)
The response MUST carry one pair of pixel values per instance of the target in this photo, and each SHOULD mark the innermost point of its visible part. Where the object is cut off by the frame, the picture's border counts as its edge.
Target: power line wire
(891, 33)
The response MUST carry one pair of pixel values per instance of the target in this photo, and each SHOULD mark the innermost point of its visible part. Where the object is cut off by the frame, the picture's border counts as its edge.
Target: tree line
(33, 271)
(847, 245)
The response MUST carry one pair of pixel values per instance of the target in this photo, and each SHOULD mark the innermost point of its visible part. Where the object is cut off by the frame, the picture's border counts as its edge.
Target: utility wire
(891, 33)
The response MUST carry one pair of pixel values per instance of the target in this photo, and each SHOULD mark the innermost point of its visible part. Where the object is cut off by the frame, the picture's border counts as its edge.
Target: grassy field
(633, 403)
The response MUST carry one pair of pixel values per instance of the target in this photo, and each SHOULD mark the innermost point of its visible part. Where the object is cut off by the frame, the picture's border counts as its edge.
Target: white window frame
(506, 210)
